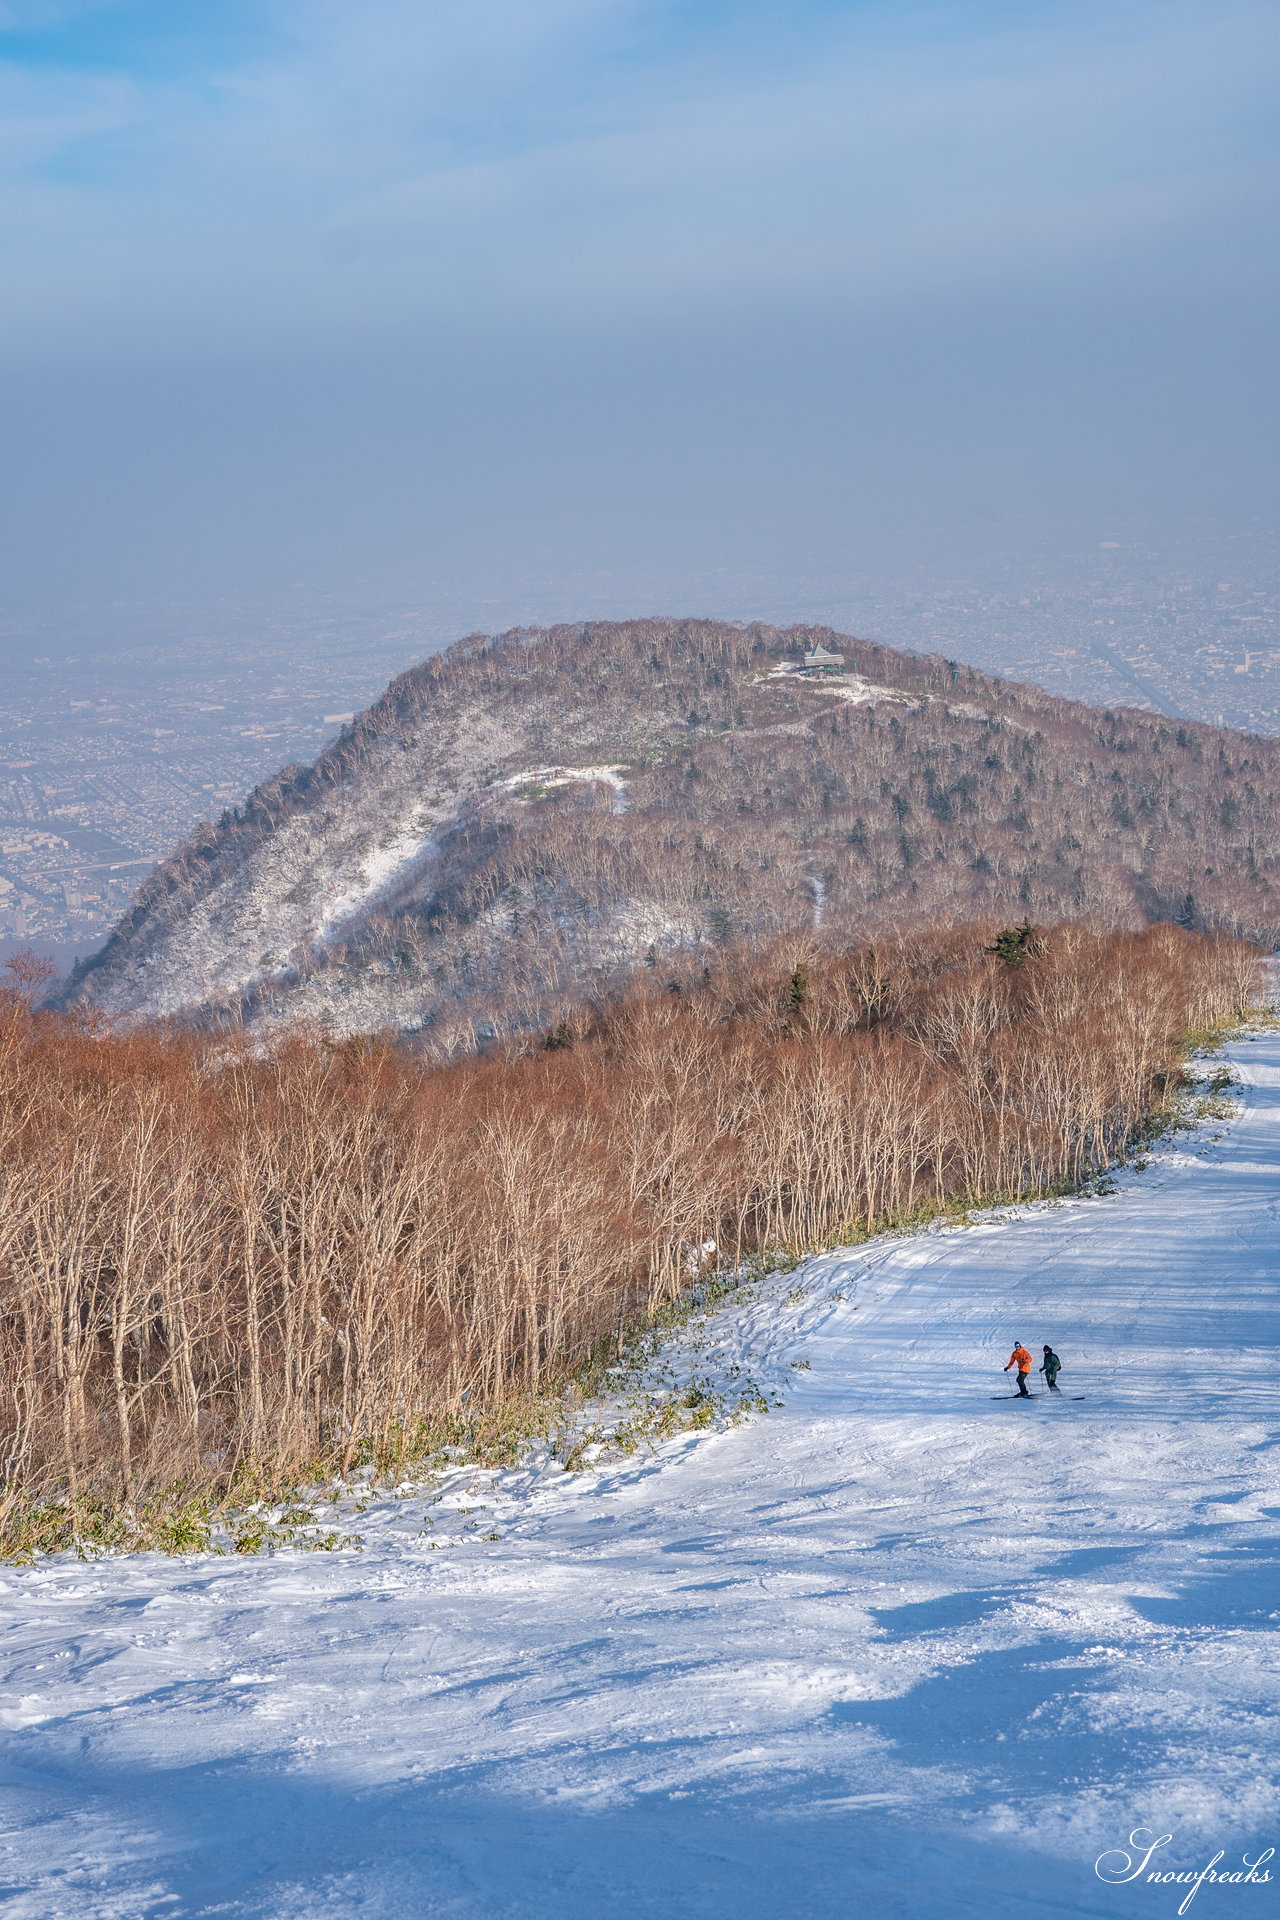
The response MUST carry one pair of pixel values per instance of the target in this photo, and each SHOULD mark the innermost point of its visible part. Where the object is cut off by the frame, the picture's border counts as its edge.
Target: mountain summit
(522, 818)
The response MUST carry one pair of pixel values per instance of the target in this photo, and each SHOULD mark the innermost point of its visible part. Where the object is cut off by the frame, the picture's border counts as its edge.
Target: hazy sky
(367, 293)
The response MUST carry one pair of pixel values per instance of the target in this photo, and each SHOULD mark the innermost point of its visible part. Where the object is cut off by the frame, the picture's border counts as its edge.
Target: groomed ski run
(884, 1653)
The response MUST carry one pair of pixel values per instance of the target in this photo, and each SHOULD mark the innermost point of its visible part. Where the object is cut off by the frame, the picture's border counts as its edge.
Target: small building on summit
(819, 660)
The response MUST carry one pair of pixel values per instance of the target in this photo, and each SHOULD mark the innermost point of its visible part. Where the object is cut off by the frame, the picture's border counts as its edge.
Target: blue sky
(298, 238)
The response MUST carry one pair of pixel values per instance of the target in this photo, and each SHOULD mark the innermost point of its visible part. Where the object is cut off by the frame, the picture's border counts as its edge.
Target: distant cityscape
(109, 758)
(113, 747)
(1190, 632)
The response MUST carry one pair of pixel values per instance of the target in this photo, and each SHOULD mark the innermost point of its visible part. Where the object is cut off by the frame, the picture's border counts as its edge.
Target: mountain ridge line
(527, 817)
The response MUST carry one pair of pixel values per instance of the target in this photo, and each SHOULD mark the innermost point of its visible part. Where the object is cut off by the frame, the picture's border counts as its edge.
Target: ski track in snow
(895, 1650)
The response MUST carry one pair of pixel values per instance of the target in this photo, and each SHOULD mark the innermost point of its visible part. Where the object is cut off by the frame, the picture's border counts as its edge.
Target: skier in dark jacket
(1049, 1368)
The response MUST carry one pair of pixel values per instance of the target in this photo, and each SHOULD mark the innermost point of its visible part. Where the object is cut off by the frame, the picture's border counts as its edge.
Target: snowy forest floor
(896, 1650)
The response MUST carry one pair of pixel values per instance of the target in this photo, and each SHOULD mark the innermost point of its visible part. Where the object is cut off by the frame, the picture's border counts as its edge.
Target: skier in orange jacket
(1021, 1359)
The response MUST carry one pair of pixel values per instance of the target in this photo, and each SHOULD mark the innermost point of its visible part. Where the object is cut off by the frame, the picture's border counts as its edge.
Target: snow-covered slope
(898, 1648)
(318, 870)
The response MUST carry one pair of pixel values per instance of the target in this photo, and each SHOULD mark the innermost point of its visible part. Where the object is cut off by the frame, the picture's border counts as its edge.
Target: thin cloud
(439, 160)
(373, 288)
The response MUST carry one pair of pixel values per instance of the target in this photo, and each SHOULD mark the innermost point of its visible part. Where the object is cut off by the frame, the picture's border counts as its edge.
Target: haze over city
(335, 332)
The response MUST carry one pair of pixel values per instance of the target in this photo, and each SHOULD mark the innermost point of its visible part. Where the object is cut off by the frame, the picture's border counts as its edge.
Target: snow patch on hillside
(385, 867)
(860, 693)
(853, 687)
(544, 779)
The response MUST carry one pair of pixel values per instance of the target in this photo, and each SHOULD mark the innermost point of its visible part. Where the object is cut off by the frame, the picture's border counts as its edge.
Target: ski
(1037, 1396)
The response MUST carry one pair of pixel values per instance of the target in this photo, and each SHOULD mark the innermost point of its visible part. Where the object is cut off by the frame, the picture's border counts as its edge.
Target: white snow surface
(897, 1650)
(610, 776)
(850, 686)
(383, 867)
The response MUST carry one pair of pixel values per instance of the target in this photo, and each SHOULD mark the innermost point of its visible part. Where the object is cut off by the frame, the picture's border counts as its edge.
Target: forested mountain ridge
(526, 816)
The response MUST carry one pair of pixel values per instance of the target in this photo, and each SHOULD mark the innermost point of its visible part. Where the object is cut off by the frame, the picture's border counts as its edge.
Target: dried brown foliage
(211, 1255)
